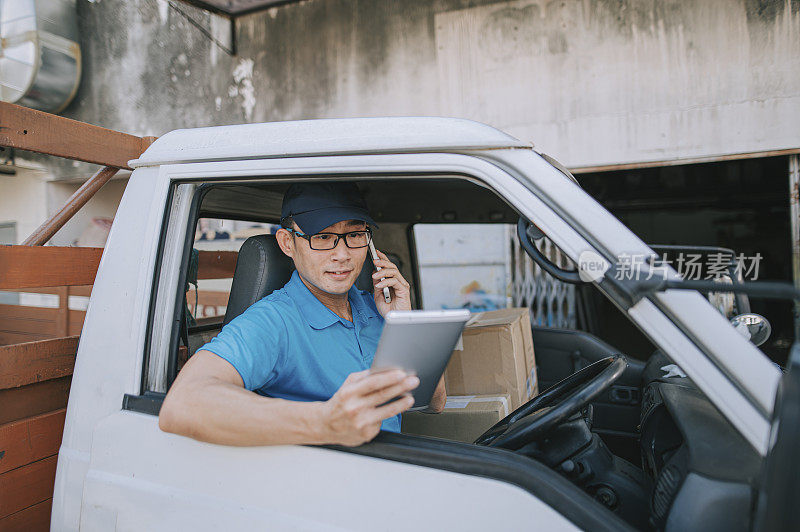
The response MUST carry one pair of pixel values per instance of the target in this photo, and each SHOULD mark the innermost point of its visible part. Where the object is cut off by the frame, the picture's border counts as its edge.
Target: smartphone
(386, 295)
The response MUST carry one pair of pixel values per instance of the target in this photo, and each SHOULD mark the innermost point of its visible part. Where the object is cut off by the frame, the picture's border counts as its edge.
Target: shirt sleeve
(254, 343)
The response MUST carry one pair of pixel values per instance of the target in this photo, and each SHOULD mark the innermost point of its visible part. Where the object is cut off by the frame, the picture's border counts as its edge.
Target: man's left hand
(398, 286)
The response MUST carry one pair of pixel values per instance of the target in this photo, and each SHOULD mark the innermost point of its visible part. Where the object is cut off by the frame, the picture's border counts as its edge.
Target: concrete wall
(23, 201)
(589, 81)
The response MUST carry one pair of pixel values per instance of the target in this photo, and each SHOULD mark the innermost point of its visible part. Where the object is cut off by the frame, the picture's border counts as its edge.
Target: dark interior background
(742, 205)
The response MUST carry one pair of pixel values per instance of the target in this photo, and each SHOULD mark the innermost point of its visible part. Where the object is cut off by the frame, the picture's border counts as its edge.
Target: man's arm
(208, 402)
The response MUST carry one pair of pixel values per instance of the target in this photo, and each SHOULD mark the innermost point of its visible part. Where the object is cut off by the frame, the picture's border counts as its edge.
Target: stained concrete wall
(589, 81)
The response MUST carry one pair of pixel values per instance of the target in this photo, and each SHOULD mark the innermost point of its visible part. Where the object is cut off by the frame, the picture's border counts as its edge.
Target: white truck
(706, 431)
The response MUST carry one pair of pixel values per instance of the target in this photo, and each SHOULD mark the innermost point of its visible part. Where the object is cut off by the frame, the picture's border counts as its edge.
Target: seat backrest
(261, 268)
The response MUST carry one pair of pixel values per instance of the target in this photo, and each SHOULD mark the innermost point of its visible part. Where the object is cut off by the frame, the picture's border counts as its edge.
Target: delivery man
(293, 368)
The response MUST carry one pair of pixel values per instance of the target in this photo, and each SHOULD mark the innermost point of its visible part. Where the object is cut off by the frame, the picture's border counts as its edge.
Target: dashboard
(703, 472)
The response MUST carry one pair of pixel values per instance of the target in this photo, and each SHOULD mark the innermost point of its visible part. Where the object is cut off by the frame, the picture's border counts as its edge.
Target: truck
(712, 421)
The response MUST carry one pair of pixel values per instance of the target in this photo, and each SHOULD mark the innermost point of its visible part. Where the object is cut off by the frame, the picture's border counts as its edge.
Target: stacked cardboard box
(496, 357)
(464, 417)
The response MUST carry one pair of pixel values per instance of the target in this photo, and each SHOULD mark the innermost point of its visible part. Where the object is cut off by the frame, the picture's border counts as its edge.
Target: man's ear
(285, 242)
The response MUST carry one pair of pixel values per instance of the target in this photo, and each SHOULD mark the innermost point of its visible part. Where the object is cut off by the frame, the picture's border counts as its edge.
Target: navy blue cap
(315, 206)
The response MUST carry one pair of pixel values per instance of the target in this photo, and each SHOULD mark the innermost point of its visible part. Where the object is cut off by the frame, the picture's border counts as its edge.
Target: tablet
(419, 342)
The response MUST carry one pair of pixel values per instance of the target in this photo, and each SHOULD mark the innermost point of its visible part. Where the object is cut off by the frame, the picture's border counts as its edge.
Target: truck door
(135, 477)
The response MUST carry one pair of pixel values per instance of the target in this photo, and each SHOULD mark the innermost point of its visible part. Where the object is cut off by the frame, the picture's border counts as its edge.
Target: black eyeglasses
(327, 241)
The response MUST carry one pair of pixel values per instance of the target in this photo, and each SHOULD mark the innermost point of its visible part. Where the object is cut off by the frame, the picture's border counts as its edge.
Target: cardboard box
(464, 417)
(497, 357)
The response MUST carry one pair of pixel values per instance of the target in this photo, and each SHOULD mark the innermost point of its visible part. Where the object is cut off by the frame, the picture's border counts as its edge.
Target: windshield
(682, 324)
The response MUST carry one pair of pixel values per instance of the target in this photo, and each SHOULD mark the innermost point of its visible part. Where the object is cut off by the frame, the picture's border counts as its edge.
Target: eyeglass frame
(339, 236)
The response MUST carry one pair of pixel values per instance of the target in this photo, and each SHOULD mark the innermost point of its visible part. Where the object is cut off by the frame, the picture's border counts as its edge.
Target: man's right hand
(354, 414)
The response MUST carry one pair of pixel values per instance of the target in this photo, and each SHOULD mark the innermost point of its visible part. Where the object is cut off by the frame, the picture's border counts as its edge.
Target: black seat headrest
(261, 268)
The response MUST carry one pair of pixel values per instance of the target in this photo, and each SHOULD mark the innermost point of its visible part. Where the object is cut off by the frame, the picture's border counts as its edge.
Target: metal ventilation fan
(40, 60)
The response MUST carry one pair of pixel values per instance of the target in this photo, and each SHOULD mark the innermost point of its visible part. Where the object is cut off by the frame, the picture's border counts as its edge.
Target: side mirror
(754, 327)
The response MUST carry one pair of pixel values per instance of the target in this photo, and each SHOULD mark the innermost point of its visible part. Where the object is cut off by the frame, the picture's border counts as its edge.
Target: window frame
(725, 364)
(497, 464)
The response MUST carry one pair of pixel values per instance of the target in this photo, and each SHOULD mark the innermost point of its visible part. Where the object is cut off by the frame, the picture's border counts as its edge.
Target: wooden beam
(34, 518)
(78, 290)
(32, 362)
(31, 439)
(31, 130)
(28, 485)
(33, 399)
(80, 198)
(216, 264)
(30, 266)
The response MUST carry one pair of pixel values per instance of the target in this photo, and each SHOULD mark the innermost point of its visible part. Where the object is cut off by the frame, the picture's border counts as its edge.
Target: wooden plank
(216, 264)
(32, 266)
(32, 362)
(28, 440)
(11, 337)
(210, 302)
(39, 321)
(62, 319)
(80, 290)
(33, 399)
(31, 130)
(76, 318)
(34, 518)
(20, 324)
(28, 485)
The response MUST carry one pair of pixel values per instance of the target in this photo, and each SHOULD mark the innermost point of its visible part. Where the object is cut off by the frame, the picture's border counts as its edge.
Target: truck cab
(700, 434)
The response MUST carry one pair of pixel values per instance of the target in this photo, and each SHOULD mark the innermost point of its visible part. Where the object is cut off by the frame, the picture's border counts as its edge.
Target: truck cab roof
(324, 137)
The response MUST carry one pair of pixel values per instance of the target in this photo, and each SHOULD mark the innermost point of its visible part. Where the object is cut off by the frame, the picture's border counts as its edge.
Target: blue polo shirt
(291, 346)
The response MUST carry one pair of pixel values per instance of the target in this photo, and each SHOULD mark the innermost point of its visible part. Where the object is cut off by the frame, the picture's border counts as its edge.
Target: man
(304, 349)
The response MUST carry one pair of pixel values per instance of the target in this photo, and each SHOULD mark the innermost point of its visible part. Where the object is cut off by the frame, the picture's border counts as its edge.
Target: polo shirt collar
(318, 315)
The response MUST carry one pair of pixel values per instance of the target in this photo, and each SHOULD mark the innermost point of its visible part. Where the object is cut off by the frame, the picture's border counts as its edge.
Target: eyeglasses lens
(356, 239)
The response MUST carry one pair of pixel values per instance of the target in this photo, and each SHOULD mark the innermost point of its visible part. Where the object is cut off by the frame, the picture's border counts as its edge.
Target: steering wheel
(535, 418)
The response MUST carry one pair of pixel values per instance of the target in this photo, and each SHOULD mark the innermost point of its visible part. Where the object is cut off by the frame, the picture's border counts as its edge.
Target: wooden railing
(35, 376)
(36, 371)
(36, 368)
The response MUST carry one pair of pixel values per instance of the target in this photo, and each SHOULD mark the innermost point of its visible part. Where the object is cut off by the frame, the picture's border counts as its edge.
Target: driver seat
(261, 268)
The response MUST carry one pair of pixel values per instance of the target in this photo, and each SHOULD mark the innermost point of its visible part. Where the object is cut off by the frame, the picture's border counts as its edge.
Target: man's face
(333, 271)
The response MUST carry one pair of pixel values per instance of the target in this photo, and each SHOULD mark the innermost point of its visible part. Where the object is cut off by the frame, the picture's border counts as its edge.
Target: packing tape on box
(458, 401)
(530, 382)
(461, 401)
